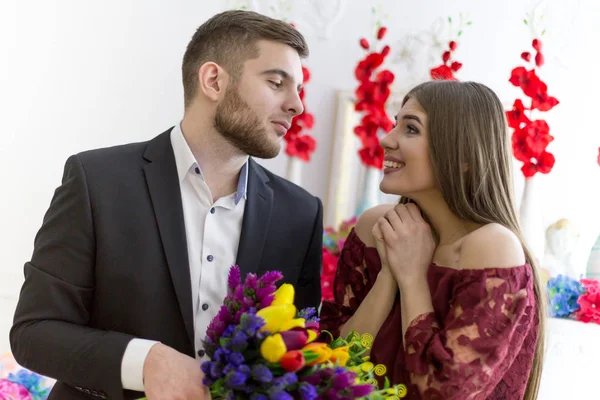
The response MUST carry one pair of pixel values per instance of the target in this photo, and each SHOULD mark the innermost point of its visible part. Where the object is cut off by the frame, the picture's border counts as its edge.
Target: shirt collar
(186, 162)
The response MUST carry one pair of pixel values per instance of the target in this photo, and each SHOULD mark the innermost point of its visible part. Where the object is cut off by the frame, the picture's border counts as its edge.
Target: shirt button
(210, 257)
(212, 210)
(197, 170)
(201, 353)
(204, 307)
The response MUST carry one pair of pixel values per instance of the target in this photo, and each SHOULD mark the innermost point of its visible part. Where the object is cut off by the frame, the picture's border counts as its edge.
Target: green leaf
(526, 23)
(459, 33)
(543, 32)
(349, 336)
(469, 23)
(449, 20)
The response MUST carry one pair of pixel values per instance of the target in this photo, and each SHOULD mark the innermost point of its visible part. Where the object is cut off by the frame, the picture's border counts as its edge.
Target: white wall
(80, 74)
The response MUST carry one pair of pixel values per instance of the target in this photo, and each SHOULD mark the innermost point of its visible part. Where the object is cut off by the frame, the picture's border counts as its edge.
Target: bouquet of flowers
(261, 347)
(20, 383)
(333, 243)
(569, 298)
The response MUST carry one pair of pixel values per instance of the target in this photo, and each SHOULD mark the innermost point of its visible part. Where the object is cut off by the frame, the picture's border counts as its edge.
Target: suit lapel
(257, 217)
(163, 185)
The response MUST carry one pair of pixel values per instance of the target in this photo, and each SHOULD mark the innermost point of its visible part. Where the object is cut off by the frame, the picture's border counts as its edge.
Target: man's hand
(171, 375)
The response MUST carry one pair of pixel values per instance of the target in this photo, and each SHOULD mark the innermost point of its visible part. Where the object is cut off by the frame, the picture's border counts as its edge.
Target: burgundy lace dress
(478, 344)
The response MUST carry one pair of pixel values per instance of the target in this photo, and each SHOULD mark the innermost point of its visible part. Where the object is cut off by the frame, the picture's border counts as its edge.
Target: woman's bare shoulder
(366, 221)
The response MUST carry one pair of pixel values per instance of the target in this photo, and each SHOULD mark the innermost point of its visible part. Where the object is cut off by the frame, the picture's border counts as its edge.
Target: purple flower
(229, 331)
(239, 342)
(266, 301)
(250, 323)
(309, 314)
(289, 379)
(236, 359)
(247, 303)
(262, 373)
(258, 396)
(360, 391)
(280, 395)
(308, 391)
(270, 278)
(216, 371)
(343, 379)
(221, 355)
(234, 278)
(235, 379)
(251, 282)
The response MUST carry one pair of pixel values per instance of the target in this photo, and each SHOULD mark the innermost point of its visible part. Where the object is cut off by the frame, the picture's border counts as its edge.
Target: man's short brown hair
(229, 39)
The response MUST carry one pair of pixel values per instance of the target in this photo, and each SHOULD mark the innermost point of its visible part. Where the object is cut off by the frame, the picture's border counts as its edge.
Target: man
(131, 262)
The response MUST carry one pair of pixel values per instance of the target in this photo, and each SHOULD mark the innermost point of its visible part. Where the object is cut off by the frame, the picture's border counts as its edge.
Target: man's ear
(212, 80)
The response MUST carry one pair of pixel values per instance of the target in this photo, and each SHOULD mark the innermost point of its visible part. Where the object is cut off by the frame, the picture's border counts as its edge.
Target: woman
(443, 280)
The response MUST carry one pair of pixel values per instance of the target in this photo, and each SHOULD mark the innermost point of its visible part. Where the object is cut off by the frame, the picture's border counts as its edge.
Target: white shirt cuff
(132, 365)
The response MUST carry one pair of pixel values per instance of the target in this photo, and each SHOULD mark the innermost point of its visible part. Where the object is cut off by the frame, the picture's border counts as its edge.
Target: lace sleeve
(466, 355)
(356, 271)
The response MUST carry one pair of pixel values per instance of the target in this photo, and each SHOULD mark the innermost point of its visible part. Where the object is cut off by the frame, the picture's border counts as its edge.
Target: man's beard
(240, 126)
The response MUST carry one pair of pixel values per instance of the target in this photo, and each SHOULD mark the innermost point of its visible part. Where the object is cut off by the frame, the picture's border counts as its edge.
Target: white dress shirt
(213, 233)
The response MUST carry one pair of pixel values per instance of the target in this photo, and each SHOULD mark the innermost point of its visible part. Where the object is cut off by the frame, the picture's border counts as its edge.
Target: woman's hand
(405, 243)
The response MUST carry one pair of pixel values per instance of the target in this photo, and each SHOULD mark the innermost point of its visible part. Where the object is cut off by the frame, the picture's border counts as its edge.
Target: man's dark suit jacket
(110, 263)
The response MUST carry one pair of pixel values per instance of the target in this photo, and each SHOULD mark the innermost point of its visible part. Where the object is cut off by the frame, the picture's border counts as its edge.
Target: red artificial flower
(542, 164)
(298, 144)
(456, 66)
(372, 93)
(446, 56)
(305, 74)
(589, 302)
(330, 262)
(516, 117)
(302, 147)
(365, 68)
(541, 101)
(531, 138)
(364, 43)
(452, 45)
(443, 72)
(598, 156)
(539, 59)
(521, 150)
(538, 136)
(372, 156)
(385, 51)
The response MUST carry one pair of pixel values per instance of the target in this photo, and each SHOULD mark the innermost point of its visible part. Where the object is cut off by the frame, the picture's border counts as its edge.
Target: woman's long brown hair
(467, 126)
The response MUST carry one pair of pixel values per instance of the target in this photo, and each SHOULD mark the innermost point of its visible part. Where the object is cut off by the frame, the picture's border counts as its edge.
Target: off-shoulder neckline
(451, 269)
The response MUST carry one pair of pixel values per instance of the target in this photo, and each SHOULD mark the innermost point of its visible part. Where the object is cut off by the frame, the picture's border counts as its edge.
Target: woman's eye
(411, 129)
(276, 84)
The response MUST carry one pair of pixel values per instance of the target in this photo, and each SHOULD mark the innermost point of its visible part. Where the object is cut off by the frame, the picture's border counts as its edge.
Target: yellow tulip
(273, 348)
(312, 335)
(284, 295)
(292, 323)
(340, 356)
(320, 349)
(276, 316)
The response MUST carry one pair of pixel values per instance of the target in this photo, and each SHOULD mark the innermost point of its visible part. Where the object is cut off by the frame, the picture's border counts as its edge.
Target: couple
(131, 262)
